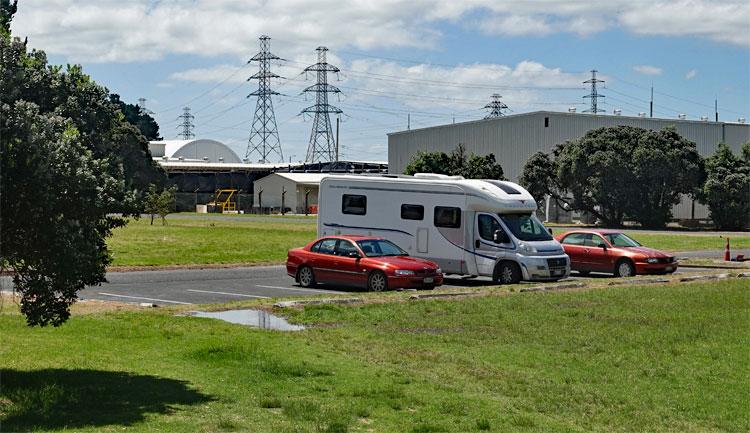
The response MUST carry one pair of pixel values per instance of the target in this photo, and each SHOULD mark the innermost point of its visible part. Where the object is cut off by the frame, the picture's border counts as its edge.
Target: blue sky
(433, 60)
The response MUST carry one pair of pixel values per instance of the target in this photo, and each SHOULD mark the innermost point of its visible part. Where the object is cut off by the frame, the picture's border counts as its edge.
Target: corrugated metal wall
(513, 139)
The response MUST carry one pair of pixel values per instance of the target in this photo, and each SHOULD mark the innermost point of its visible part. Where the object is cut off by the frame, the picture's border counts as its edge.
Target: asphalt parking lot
(205, 286)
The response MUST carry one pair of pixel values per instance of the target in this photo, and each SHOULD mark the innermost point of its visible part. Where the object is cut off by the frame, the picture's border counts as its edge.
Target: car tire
(507, 273)
(377, 282)
(624, 268)
(306, 277)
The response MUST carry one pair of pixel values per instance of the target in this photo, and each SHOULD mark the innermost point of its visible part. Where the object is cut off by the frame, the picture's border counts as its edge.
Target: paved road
(201, 286)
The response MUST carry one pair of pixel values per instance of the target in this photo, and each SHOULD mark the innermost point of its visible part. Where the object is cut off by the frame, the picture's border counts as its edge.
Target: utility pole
(187, 124)
(338, 121)
(408, 121)
(495, 107)
(264, 136)
(716, 108)
(594, 95)
(651, 103)
(321, 147)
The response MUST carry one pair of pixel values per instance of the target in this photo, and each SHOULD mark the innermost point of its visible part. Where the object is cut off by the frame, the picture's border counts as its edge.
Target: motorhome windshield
(380, 247)
(525, 227)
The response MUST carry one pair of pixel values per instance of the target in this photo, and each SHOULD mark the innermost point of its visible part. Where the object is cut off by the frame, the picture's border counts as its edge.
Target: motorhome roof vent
(572, 110)
(704, 118)
(618, 112)
(682, 116)
(741, 119)
(436, 176)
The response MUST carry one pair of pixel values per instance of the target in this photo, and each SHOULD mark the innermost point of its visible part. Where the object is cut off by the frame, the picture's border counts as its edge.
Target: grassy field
(264, 239)
(197, 241)
(629, 359)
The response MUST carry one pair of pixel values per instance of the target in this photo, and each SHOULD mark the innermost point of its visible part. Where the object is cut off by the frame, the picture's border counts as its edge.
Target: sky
(403, 63)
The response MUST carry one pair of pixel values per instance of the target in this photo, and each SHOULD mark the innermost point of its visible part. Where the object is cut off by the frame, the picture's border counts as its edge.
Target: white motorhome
(468, 227)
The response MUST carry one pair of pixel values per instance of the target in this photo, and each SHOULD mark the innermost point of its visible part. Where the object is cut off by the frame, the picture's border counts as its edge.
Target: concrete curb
(438, 295)
(552, 287)
(639, 281)
(704, 277)
(303, 302)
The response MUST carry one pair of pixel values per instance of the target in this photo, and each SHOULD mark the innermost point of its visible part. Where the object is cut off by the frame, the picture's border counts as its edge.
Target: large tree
(618, 172)
(726, 191)
(457, 163)
(68, 161)
(139, 117)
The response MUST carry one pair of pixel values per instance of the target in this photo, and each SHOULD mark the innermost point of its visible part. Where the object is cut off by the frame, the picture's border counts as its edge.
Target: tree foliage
(457, 163)
(138, 117)
(726, 191)
(68, 161)
(160, 203)
(618, 172)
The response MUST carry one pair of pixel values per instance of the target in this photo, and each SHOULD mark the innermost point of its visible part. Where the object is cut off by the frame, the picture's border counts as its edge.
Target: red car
(613, 252)
(368, 262)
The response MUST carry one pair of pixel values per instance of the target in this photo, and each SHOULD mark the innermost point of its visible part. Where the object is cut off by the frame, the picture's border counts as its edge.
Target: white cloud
(647, 69)
(691, 74)
(142, 30)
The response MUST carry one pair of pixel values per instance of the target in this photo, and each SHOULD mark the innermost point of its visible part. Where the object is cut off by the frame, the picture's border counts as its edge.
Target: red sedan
(372, 263)
(613, 252)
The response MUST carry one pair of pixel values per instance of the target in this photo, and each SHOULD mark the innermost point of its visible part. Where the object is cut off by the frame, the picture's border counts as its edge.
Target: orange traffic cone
(727, 254)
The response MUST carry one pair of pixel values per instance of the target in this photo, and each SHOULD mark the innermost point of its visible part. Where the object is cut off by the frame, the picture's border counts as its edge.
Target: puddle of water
(257, 318)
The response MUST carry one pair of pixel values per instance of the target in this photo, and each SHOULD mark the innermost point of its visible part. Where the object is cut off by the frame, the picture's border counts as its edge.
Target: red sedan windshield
(380, 247)
(620, 240)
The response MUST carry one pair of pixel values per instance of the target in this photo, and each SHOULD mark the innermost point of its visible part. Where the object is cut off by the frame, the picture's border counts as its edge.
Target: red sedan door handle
(585, 250)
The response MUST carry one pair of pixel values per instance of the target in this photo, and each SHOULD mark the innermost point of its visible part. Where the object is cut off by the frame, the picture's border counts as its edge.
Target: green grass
(657, 359)
(196, 241)
(676, 241)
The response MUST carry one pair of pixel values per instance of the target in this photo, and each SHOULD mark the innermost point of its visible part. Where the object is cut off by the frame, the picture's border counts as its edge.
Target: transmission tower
(264, 136)
(187, 124)
(594, 95)
(322, 145)
(495, 107)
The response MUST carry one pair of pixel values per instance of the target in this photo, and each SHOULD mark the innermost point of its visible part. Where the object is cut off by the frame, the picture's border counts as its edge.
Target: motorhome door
(486, 250)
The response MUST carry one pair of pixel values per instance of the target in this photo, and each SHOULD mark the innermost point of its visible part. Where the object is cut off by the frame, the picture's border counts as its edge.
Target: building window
(546, 122)
(412, 212)
(354, 204)
(449, 217)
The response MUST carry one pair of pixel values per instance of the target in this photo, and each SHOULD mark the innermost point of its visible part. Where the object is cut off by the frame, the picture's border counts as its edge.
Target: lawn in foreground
(657, 359)
(195, 241)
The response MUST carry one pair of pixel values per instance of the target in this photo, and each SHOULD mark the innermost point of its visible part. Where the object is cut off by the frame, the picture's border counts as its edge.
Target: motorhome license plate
(429, 280)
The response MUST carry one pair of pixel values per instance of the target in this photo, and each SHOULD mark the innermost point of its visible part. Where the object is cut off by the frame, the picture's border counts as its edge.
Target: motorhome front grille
(557, 262)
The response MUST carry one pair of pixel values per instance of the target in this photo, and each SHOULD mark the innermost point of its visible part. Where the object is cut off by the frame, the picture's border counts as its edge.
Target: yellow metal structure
(226, 199)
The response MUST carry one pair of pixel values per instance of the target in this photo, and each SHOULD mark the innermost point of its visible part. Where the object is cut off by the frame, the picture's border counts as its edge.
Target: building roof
(569, 114)
(196, 150)
(301, 178)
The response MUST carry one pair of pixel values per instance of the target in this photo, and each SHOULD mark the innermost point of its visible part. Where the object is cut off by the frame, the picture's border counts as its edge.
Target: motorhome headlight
(403, 272)
(526, 248)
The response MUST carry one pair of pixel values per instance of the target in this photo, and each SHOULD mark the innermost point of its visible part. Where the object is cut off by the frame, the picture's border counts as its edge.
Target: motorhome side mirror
(499, 237)
(602, 245)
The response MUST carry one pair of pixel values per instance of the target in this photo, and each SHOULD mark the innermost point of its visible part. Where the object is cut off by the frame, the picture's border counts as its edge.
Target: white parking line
(227, 293)
(301, 289)
(147, 299)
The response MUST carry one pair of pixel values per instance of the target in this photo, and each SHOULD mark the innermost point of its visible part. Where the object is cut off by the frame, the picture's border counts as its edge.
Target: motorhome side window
(354, 204)
(449, 217)
(412, 212)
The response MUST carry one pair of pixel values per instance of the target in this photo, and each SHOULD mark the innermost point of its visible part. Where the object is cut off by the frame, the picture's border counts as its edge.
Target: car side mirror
(500, 237)
(602, 245)
(353, 254)
(549, 230)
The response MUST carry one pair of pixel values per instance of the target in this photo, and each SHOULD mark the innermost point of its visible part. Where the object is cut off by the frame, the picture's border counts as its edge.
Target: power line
(264, 135)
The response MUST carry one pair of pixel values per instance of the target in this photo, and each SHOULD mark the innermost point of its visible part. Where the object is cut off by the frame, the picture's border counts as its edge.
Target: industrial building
(293, 192)
(514, 138)
(201, 167)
